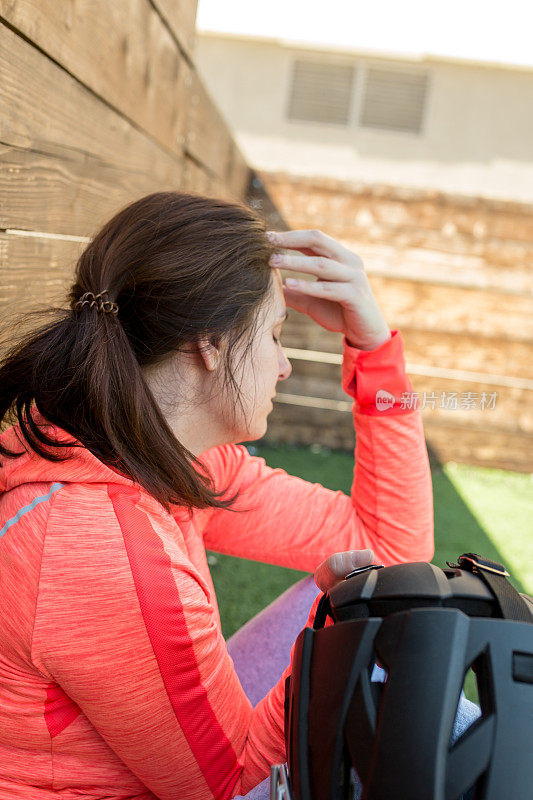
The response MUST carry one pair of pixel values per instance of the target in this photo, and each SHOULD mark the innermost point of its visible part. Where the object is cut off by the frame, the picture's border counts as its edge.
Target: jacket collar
(81, 467)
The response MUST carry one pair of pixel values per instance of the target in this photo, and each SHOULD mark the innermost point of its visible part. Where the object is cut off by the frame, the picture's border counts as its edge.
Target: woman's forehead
(278, 280)
(277, 293)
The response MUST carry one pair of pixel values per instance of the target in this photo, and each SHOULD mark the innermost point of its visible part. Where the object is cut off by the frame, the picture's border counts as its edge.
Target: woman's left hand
(342, 298)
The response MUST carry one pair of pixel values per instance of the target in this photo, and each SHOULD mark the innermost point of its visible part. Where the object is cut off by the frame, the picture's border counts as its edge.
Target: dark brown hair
(178, 265)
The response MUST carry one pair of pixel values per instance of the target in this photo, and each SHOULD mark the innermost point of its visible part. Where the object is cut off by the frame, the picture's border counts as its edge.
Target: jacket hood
(81, 467)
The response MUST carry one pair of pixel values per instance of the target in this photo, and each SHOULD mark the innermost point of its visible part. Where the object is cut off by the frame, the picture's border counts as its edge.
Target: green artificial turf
(481, 510)
(493, 508)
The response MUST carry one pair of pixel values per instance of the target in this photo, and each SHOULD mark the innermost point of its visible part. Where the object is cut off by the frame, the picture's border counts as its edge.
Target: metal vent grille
(320, 92)
(394, 99)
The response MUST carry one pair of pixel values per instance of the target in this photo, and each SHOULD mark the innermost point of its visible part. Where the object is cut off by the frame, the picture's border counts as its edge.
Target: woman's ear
(209, 353)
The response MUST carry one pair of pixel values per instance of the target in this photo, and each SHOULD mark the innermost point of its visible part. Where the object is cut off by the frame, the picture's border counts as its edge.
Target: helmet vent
(477, 688)
(470, 686)
(523, 667)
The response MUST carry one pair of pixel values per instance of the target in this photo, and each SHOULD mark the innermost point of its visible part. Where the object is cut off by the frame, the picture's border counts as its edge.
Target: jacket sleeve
(295, 523)
(125, 625)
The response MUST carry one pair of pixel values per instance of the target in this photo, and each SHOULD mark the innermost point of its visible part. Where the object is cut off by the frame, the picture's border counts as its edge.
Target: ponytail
(176, 265)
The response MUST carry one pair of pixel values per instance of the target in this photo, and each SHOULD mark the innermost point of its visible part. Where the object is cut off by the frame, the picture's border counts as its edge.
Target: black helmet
(426, 627)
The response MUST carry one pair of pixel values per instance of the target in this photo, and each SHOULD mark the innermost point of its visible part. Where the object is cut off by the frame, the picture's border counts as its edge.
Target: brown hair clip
(98, 301)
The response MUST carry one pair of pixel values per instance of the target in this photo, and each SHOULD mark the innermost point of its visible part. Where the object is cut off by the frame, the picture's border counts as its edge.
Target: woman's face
(191, 393)
(261, 369)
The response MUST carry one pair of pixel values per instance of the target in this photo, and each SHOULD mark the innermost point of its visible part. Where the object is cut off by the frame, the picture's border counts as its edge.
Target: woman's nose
(285, 368)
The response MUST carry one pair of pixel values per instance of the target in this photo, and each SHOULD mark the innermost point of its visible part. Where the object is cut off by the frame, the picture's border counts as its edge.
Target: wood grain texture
(121, 51)
(437, 347)
(44, 109)
(68, 161)
(456, 309)
(415, 217)
(35, 271)
(125, 54)
(75, 193)
(180, 15)
(207, 138)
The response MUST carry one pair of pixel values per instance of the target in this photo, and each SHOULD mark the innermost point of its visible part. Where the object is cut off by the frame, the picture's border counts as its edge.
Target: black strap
(324, 608)
(494, 575)
(322, 612)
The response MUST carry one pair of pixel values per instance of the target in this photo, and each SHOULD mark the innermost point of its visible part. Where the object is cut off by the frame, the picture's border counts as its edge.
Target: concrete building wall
(476, 136)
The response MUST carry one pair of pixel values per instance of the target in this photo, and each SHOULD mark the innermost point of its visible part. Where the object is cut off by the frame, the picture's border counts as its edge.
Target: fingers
(297, 300)
(338, 565)
(325, 268)
(326, 312)
(341, 292)
(315, 240)
(341, 299)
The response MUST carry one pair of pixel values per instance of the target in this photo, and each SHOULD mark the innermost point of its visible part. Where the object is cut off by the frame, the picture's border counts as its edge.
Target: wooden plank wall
(455, 275)
(100, 103)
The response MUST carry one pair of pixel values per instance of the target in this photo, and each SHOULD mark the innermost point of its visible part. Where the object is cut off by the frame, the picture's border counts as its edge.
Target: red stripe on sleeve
(165, 622)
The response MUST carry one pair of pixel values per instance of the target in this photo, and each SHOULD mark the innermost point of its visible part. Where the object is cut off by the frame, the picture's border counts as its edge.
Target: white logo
(384, 400)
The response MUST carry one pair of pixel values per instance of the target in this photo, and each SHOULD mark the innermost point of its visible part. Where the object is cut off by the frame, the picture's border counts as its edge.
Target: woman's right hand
(342, 298)
(336, 566)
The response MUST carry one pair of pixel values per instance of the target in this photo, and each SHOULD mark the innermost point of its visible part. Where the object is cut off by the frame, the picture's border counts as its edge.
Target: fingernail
(271, 236)
(291, 282)
(275, 259)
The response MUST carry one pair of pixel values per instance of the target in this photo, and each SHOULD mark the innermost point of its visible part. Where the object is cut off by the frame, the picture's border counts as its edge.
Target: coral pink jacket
(115, 680)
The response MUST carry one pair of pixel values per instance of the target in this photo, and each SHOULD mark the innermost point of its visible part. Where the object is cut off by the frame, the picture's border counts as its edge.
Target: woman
(115, 679)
